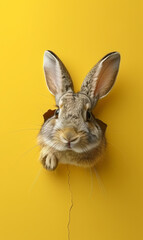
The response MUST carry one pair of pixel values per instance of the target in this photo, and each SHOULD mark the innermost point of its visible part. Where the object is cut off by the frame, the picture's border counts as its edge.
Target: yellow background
(35, 203)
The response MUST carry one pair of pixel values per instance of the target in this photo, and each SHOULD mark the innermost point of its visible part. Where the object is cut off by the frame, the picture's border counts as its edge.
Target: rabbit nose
(69, 135)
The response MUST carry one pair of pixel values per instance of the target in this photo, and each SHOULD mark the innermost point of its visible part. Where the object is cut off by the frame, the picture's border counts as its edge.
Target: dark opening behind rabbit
(73, 135)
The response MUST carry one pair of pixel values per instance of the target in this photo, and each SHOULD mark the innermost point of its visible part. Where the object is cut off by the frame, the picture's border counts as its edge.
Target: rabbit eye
(57, 113)
(88, 116)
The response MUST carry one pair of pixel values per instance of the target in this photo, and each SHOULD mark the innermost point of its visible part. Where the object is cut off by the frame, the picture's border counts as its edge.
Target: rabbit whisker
(99, 181)
(29, 150)
(25, 129)
(36, 179)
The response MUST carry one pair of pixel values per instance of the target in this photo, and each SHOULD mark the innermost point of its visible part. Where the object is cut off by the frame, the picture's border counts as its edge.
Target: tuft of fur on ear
(101, 78)
(57, 77)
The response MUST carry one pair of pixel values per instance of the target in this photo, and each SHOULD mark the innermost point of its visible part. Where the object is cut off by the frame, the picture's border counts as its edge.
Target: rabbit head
(73, 126)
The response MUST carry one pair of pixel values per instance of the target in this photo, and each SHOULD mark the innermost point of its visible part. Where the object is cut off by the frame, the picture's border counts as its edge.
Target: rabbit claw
(50, 162)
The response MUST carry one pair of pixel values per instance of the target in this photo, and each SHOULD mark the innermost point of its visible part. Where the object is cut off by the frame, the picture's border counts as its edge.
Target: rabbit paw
(50, 162)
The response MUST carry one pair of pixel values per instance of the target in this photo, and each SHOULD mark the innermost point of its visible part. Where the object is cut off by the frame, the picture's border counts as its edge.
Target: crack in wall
(71, 205)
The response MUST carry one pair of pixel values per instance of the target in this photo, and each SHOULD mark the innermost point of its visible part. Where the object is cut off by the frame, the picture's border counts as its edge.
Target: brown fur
(85, 159)
(73, 135)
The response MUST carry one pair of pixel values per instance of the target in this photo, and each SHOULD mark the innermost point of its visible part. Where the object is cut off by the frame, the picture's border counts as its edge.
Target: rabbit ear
(101, 78)
(57, 77)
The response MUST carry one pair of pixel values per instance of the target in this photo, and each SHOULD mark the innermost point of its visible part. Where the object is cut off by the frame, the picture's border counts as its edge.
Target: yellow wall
(34, 203)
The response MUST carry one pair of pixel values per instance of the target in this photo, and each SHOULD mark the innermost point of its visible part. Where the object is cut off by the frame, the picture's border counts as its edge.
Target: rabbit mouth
(69, 141)
(69, 145)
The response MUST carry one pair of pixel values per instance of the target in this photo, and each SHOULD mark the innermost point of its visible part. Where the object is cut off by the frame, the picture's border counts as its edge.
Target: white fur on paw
(51, 162)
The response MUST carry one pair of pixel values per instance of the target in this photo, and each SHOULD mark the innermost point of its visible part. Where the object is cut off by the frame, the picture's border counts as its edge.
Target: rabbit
(71, 134)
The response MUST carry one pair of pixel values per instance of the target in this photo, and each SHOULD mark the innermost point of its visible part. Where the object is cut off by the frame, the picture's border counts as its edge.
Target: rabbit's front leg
(48, 158)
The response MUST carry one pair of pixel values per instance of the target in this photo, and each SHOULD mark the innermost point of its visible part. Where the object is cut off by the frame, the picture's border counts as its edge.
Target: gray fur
(71, 137)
